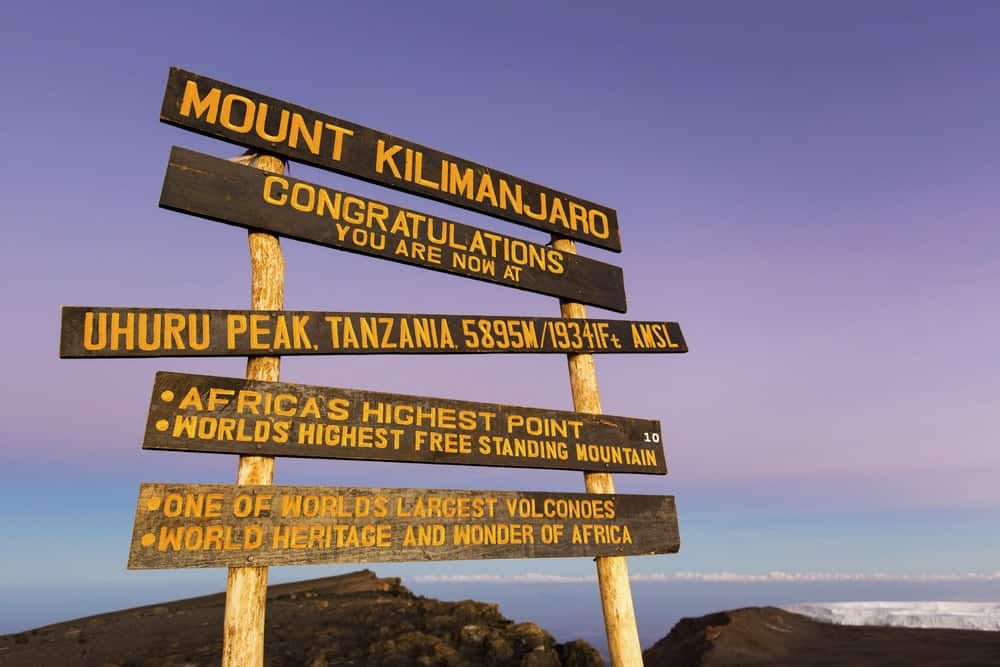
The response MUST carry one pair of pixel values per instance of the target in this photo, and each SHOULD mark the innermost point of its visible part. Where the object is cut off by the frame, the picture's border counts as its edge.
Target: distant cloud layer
(955, 615)
(730, 577)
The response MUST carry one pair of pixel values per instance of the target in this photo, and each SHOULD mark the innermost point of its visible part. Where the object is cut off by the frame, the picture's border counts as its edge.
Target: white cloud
(957, 615)
(724, 577)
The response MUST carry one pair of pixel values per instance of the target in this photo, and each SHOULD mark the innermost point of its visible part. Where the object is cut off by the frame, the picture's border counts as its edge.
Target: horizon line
(774, 576)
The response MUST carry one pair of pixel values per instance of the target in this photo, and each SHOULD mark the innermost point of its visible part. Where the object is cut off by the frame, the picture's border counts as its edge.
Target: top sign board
(221, 110)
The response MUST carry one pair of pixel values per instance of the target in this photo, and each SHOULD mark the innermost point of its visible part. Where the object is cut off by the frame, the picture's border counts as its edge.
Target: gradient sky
(810, 189)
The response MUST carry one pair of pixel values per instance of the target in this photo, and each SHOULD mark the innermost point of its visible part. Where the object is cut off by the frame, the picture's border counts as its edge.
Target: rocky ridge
(354, 619)
(772, 637)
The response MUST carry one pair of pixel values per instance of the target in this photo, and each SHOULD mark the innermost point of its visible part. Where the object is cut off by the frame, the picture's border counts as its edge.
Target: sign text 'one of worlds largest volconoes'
(201, 413)
(221, 110)
(206, 525)
(224, 191)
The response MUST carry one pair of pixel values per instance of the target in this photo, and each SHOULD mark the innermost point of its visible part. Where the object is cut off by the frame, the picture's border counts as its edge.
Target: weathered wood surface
(210, 525)
(612, 571)
(220, 190)
(108, 332)
(224, 111)
(246, 586)
(230, 415)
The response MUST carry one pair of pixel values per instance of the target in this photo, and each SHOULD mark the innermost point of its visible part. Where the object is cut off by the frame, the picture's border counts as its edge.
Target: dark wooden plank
(227, 192)
(215, 525)
(218, 109)
(201, 413)
(109, 332)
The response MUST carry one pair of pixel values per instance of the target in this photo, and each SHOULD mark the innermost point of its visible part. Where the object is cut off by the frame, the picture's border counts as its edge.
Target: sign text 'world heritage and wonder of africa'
(209, 525)
(224, 191)
(201, 413)
(221, 110)
(109, 332)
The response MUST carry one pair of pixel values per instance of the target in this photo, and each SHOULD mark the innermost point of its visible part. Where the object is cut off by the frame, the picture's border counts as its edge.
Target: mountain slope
(773, 637)
(353, 619)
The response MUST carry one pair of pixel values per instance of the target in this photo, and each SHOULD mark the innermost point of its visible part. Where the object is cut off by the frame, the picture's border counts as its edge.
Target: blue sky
(808, 188)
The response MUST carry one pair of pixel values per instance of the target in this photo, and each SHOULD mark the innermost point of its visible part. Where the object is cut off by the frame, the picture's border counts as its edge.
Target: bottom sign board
(216, 525)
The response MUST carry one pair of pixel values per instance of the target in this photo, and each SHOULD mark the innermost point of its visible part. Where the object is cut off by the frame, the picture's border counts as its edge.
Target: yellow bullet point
(153, 504)
(148, 540)
(167, 396)
(162, 424)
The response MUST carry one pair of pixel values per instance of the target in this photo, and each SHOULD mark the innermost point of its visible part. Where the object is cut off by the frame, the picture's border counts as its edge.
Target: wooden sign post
(612, 571)
(254, 524)
(246, 587)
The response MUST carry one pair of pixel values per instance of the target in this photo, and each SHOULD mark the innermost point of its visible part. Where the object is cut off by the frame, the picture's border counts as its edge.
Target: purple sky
(809, 189)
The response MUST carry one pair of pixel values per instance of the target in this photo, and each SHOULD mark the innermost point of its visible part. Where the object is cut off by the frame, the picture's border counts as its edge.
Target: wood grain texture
(218, 109)
(109, 332)
(212, 525)
(246, 587)
(201, 413)
(612, 571)
(219, 190)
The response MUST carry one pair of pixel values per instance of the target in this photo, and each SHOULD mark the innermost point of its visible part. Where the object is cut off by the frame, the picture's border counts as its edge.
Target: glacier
(953, 615)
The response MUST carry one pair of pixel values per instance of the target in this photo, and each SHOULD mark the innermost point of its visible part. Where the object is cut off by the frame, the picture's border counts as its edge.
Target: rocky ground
(766, 636)
(354, 619)
(359, 619)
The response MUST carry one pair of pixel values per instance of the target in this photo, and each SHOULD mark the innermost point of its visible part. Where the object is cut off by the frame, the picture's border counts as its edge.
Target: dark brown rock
(579, 653)
(771, 637)
(354, 619)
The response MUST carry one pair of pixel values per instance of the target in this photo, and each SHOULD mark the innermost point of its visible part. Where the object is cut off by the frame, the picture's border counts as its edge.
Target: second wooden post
(612, 571)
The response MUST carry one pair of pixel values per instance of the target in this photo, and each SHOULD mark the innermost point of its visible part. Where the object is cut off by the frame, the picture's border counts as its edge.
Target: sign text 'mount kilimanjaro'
(210, 525)
(106, 332)
(221, 110)
(221, 190)
(202, 413)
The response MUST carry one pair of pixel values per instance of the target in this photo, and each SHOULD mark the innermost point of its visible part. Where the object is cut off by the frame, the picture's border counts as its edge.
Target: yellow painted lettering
(486, 190)
(192, 399)
(599, 226)
(173, 325)
(386, 156)
(338, 139)
(219, 397)
(303, 197)
(149, 342)
(419, 173)
(94, 337)
(207, 106)
(226, 114)
(282, 338)
(261, 127)
(236, 324)
(301, 131)
(461, 182)
(275, 184)
(257, 330)
(511, 199)
(248, 402)
(122, 335)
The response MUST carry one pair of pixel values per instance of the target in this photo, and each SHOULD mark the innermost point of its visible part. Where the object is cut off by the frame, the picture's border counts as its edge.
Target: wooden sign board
(214, 525)
(224, 191)
(221, 110)
(103, 332)
(200, 413)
